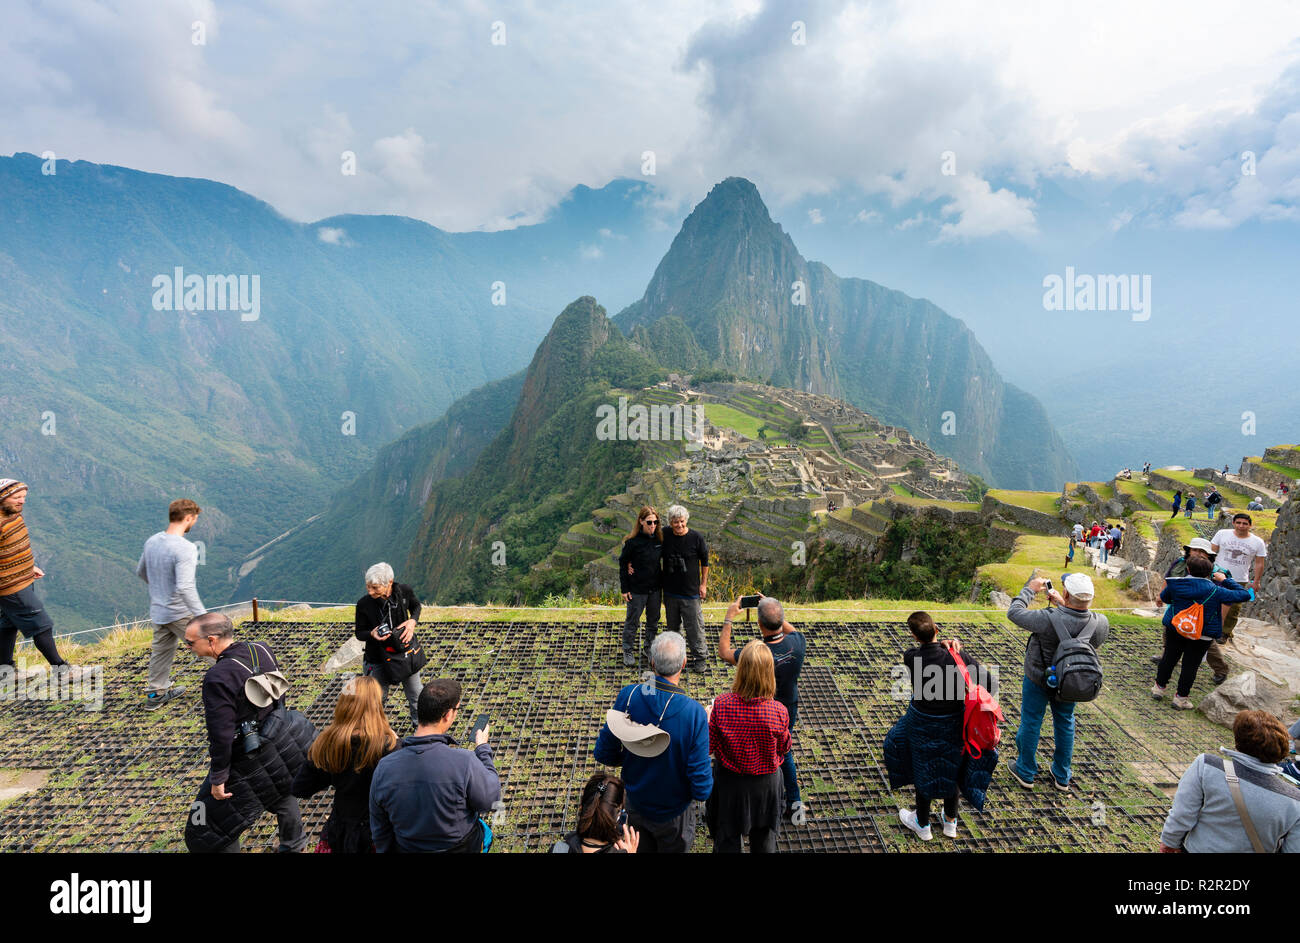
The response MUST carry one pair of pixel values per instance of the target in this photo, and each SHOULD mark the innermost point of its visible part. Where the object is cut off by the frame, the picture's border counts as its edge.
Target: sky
(958, 151)
(473, 116)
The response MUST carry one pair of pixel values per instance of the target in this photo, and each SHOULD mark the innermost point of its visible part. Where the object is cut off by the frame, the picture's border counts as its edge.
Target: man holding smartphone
(788, 648)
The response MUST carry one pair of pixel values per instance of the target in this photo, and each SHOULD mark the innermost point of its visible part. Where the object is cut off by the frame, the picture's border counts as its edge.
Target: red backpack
(980, 727)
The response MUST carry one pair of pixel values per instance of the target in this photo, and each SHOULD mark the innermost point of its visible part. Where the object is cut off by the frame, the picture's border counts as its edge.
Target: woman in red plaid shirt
(749, 733)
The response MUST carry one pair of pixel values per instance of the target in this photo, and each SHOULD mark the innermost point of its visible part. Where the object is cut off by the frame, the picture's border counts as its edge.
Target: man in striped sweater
(20, 610)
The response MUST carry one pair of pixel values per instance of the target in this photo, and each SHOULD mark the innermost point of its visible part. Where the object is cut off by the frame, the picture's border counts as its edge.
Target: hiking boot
(1155, 659)
(949, 825)
(908, 818)
(1219, 679)
(155, 699)
(1025, 783)
(1158, 691)
(629, 660)
(1062, 787)
(1182, 703)
(698, 667)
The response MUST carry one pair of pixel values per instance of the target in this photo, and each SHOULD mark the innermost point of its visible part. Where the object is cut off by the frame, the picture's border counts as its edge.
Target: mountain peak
(733, 201)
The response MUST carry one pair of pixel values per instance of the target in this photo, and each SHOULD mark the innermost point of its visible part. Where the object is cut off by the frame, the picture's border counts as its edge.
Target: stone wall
(1279, 594)
(1025, 517)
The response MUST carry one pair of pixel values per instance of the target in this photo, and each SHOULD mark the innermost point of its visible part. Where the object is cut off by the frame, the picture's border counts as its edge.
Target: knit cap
(10, 486)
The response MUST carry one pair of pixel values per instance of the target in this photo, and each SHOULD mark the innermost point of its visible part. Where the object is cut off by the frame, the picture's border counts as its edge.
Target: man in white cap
(660, 736)
(1073, 617)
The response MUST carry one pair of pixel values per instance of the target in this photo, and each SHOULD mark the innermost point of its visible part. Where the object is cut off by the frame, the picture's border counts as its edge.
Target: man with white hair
(1037, 692)
(685, 561)
(660, 736)
(386, 615)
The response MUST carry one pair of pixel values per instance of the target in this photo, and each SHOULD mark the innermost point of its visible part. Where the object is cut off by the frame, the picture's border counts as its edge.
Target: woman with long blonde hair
(344, 755)
(639, 579)
(749, 735)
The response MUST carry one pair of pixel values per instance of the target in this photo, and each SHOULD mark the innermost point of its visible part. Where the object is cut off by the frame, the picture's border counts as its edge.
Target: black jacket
(643, 553)
(400, 605)
(256, 781)
(682, 559)
(937, 686)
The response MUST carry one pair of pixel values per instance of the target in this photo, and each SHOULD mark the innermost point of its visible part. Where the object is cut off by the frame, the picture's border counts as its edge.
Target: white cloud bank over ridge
(450, 128)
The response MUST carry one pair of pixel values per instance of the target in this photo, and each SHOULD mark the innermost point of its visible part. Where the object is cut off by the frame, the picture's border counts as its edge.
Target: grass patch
(1043, 501)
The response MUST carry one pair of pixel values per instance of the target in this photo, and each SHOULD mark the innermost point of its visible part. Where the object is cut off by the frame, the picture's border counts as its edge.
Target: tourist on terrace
(926, 747)
(686, 583)
(385, 620)
(660, 736)
(749, 733)
(1262, 814)
(344, 755)
(1212, 591)
(602, 820)
(640, 580)
(168, 566)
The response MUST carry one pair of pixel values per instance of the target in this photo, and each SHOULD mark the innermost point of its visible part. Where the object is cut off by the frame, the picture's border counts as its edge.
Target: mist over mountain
(734, 292)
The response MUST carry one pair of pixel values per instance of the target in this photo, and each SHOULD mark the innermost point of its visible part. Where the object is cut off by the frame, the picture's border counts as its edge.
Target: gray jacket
(1205, 819)
(1041, 648)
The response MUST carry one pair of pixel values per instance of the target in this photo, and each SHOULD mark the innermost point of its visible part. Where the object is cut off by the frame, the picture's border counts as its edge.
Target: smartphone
(480, 722)
(1047, 586)
(622, 820)
(749, 602)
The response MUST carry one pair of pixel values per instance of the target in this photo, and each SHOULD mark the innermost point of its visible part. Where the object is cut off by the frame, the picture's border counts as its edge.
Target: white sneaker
(1157, 691)
(949, 825)
(908, 818)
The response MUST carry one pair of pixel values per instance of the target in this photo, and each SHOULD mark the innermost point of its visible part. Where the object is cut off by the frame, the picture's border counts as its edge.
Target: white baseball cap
(1078, 585)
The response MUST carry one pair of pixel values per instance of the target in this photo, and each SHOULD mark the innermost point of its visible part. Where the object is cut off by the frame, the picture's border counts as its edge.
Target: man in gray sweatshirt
(168, 567)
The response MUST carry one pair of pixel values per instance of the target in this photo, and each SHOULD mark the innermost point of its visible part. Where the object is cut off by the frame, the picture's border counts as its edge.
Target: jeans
(1034, 701)
(162, 652)
(412, 686)
(649, 604)
(687, 611)
(1191, 652)
(1187, 512)
(1105, 554)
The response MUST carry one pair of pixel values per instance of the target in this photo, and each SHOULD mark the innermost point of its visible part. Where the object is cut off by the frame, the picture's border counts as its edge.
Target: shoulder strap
(961, 665)
(1230, 772)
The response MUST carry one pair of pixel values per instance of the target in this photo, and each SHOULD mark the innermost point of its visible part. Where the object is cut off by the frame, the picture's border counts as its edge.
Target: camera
(383, 631)
(248, 730)
(750, 602)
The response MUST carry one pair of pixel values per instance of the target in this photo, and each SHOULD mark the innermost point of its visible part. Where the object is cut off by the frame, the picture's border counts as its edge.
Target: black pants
(923, 808)
(22, 612)
(673, 837)
(649, 604)
(1191, 652)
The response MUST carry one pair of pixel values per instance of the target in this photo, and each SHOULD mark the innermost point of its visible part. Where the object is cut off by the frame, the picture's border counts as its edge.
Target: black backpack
(1077, 667)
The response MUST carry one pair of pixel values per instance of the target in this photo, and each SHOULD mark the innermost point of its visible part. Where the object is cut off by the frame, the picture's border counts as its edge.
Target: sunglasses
(650, 522)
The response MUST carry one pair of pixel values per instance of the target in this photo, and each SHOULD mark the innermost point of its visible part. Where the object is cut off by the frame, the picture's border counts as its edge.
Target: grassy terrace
(1286, 470)
(725, 417)
(913, 501)
(1231, 496)
(1044, 501)
(122, 779)
(1137, 489)
(1046, 555)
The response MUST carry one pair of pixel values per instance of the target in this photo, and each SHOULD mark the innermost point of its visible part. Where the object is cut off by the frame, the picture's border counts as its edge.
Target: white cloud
(815, 217)
(590, 253)
(867, 216)
(450, 129)
(332, 235)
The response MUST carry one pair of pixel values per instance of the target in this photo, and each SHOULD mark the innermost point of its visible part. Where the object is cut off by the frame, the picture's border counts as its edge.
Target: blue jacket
(1181, 592)
(662, 787)
(426, 795)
